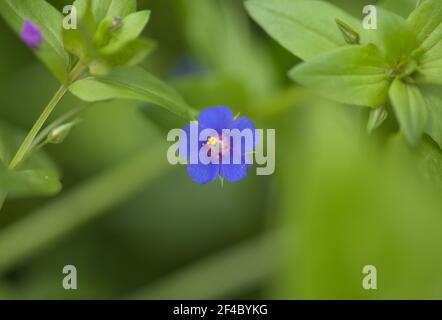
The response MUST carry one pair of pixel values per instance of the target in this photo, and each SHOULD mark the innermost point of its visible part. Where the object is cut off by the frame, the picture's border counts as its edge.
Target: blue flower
(232, 164)
(31, 35)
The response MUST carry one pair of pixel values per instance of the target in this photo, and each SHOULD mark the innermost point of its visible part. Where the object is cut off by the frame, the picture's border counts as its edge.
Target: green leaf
(108, 45)
(430, 66)
(116, 8)
(130, 29)
(410, 109)
(49, 21)
(26, 183)
(133, 53)
(306, 28)
(426, 21)
(433, 97)
(37, 176)
(393, 36)
(102, 9)
(131, 83)
(400, 7)
(354, 74)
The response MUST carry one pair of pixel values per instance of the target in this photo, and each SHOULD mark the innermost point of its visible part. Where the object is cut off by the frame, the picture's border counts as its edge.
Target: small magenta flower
(31, 35)
(231, 162)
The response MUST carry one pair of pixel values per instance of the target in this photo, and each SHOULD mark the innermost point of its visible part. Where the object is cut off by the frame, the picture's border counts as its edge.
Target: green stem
(27, 143)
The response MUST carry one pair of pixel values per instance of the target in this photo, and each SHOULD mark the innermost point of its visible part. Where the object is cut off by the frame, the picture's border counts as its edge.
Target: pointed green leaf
(393, 36)
(131, 28)
(354, 74)
(306, 28)
(133, 53)
(433, 97)
(426, 21)
(108, 8)
(121, 8)
(430, 66)
(410, 109)
(49, 20)
(131, 83)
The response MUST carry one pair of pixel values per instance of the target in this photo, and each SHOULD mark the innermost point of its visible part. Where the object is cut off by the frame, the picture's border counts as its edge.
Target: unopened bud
(350, 35)
(59, 134)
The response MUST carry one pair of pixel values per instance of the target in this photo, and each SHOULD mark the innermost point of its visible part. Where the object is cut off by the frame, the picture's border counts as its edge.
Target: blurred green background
(136, 227)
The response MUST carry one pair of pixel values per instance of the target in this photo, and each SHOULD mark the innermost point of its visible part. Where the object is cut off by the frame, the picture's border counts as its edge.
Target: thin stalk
(27, 143)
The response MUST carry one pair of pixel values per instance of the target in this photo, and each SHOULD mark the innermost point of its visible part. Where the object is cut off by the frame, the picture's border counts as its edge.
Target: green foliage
(131, 83)
(426, 22)
(306, 28)
(410, 109)
(433, 97)
(355, 75)
(49, 21)
(113, 8)
(405, 52)
(37, 177)
(393, 36)
(110, 42)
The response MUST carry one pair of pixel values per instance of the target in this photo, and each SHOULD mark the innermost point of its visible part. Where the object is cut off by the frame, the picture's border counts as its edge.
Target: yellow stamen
(212, 141)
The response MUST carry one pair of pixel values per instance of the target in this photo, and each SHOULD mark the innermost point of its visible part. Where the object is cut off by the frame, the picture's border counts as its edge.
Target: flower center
(218, 146)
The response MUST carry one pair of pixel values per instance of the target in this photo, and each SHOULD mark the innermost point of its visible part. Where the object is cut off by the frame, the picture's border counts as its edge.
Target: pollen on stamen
(212, 140)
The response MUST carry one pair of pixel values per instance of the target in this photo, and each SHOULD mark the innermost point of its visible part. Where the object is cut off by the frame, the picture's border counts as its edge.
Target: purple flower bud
(31, 35)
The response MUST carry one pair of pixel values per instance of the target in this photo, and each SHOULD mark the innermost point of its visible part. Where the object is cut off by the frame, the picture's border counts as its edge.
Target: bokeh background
(136, 227)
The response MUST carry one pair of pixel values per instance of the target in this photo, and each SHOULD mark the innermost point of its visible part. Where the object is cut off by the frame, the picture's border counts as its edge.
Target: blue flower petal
(203, 173)
(216, 118)
(234, 172)
(241, 124)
